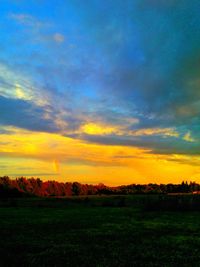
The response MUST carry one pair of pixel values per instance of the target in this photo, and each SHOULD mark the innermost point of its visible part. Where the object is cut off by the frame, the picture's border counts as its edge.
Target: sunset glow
(100, 91)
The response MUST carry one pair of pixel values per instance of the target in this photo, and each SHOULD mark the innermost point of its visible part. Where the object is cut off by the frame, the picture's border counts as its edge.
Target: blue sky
(131, 67)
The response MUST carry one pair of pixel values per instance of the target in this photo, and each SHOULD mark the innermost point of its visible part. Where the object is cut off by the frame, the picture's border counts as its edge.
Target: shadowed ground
(96, 232)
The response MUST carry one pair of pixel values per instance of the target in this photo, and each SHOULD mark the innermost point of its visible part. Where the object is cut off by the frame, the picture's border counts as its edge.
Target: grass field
(96, 231)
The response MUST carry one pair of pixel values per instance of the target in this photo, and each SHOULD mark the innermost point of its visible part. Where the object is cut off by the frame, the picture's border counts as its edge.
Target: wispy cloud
(104, 74)
(26, 20)
(58, 37)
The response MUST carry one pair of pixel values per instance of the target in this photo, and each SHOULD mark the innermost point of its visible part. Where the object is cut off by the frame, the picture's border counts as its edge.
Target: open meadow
(98, 231)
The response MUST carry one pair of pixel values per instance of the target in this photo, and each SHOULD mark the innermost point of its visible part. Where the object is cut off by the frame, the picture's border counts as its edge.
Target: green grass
(46, 232)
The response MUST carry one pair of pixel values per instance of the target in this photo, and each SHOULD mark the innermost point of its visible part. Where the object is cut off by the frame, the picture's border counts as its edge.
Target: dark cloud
(154, 72)
(153, 144)
(120, 60)
(124, 157)
(24, 114)
(191, 161)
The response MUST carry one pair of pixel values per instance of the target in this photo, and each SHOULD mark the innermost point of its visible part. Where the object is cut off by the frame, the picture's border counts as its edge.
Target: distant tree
(76, 188)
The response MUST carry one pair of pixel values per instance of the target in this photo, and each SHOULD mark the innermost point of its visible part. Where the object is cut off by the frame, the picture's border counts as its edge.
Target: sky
(100, 91)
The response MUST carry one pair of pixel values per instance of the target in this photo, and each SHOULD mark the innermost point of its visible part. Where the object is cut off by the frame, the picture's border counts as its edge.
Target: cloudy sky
(100, 90)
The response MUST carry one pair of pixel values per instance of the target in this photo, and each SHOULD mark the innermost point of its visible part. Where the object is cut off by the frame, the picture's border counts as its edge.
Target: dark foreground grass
(99, 235)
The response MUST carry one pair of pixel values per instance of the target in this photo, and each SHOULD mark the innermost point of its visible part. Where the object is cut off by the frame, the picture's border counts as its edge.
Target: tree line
(23, 186)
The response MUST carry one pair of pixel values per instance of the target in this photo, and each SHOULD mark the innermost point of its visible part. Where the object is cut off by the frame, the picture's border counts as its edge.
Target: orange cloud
(76, 159)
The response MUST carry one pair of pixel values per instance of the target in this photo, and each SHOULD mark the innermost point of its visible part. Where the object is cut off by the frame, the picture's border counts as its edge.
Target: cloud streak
(113, 73)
